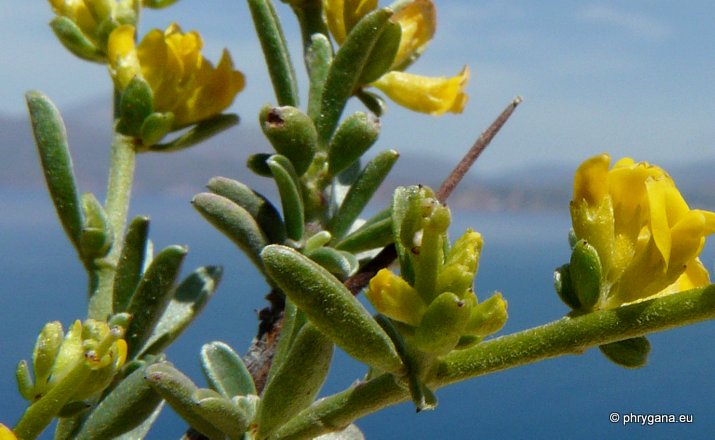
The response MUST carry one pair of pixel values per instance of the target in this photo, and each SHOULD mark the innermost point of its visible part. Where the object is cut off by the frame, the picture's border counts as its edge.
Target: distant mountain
(541, 187)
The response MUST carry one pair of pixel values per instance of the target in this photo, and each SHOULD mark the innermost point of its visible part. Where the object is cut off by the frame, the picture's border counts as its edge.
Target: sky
(633, 78)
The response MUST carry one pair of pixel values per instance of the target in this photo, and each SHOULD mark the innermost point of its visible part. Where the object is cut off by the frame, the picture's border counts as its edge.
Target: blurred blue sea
(567, 397)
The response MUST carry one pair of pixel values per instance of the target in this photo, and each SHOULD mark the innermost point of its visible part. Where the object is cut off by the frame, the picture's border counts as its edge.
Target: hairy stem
(119, 188)
(565, 336)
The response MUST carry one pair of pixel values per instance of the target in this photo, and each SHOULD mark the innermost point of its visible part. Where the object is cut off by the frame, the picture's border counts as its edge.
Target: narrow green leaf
(257, 164)
(51, 139)
(318, 59)
(361, 192)
(331, 307)
(346, 68)
(355, 135)
(585, 271)
(292, 134)
(24, 381)
(298, 381)
(234, 222)
(292, 323)
(158, 4)
(383, 54)
(275, 51)
(74, 40)
(375, 103)
(224, 370)
(224, 415)
(135, 105)
(97, 236)
(260, 208)
(198, 133)
(130, 264)
(341, 264)
(141, 431)
(629, 353)
(369, 236)
(152, 296)
(188, 301)
(291, 195)
(178, 391)
(125, 408)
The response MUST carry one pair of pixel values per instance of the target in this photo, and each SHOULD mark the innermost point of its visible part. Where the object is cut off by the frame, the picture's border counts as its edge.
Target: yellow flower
(647, 238)
(94, 18)
(395, 298)
(417, 20)
(183, 82)
(6, 433)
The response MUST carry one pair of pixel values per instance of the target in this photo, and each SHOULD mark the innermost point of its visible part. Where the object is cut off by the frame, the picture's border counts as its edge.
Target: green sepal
(406, 222)
(155, 127)
(585, 271)
(340, 263)
(258, 164)
(353, 137)
(189, 299)
(74, 40)
(260, 208)
(346, 69)
(564, 287)
(442, 324)
(224, 370)
(383, 54)
(317, 58)
(291, 196)
(346, 321)
(200, 132)
(223, 414)
(47, 347)
(422, 396)
(130, 265)
(487, 317)
(25, 385)
(371, 235)
(234, 222)
(275, 51)
(292, 134)
(178, 391)
(374, 102)
(467, 341)
(125, 408)
(135, 105)
(297, 382)
(361, 192)
(629, 353)
(428, 256)
(51, 140)
(158, 4)
(97, 237)
(152, 297)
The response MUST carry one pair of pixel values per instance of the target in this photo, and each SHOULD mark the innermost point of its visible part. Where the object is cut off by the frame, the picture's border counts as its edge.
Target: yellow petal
(432, 95)
(395, 298)
(122, 54)
(591, 180)
(659, 224)
(6, 433)
(334, 16)
(418, 21)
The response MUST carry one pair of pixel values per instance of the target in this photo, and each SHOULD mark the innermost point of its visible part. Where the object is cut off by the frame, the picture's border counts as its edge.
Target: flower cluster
(635, 236)
(437, 310)
(417, 20)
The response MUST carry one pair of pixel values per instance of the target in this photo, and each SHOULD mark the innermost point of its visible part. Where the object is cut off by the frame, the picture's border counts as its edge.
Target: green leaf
(355, 135)
(25, 385)
(275, 51)
(371, 235)
(346, 68)
(585, 271)
(223, 414)
(224, 370)
(141, 431)
(135, 105)
(74, 40)
(361, 192)
(188, 301)
(51, 139)
(179, 391)
(564, 287)
(198, 133)
(293, 321)
(155, 127)
(345, 321)
(375, 103)
(152, 297)
(383, 54)
(260, 208)
(629, 353)
(292, 134)
(296, 384)
(130, 264)
(340, 263)
(97, 236)
(125, 408)
(234, 222)
(442, 324)
(291, 195)
(158, 4)
(318, 58)
(257, 164)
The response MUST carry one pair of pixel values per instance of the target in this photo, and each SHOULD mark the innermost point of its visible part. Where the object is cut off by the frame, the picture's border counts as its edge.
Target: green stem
(558, 338)
(119, 188)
